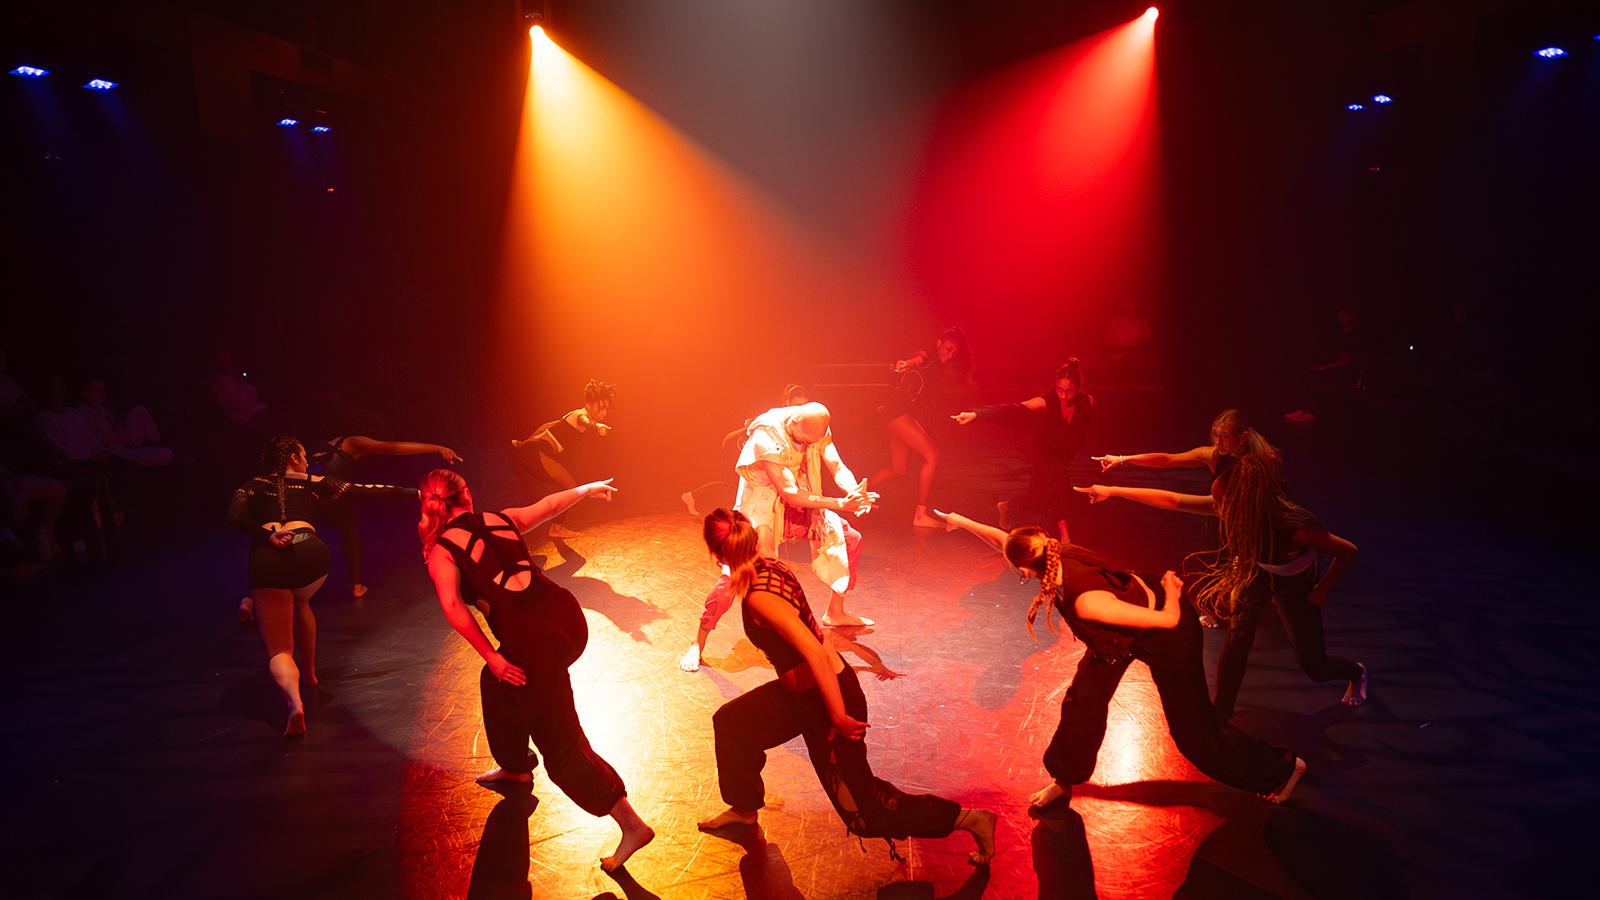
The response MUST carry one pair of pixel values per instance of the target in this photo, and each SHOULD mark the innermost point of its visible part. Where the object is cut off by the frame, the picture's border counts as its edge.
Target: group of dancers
(1268, 550)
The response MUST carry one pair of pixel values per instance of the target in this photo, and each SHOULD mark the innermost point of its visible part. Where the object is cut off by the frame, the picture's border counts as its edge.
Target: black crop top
(333, 460)
(256, 502)
(776, 578)
(1077, 577)
(521, 619)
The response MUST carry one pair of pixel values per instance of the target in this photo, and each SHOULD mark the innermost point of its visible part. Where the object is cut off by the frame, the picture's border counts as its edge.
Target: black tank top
(776, 578)
(1113, 641)
(537, 625)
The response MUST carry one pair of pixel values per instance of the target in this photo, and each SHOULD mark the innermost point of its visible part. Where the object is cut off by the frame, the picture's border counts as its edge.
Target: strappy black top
(776, 578)
(1110, 641)
(539, 623)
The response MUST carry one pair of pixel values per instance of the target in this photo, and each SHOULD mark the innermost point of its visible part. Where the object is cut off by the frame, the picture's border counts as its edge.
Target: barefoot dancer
(536, 462)
(1060, 423)
(816, 696)
(1267, 551)
(288, 562)
(1116, 614)
(480, 558)
(945, 375)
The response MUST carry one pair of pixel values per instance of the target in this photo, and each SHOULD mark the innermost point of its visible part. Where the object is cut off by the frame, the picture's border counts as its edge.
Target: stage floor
(148, 761)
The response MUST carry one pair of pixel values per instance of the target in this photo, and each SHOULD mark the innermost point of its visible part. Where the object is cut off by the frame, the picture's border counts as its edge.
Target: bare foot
(1281, 795)
(632, 839)
(980, 822)
(690, 660)
(309, 678)
(247, 611)
(845, 620)
(562, 532)
(1048, 794)
(296, 724)
(1003, 509)
(358, 591)
(1356, 693)
(688, 502)
(496, 775)
(728, 818)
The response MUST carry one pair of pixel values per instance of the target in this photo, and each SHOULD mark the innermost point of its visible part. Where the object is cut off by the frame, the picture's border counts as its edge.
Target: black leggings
(749, 725)
(1302, 622)
(543, 710)
(1174, 657)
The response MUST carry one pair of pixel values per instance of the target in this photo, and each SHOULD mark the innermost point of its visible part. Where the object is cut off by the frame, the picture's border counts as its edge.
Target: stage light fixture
(1355, 107)
(99, 84)
(287, 122)
(320, 129)
(1152, 13)
(30, 71)
(1550, 53)
(1382, 99)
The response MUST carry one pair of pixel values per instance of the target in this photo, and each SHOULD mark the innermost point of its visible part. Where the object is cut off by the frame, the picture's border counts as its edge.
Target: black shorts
(288, 568)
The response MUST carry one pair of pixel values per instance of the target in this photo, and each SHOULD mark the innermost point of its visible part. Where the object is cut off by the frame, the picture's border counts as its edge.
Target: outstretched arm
(1009, 414)
(542, 433)
(447, 584)
(361, 445)
(1331, 545)
(527, 518)
(989, 534)
(1199, 504)
(1199, 456)
(334, 489)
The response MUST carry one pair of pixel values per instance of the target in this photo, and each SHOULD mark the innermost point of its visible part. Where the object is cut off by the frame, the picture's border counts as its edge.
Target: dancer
(1119, 618)
(1231, 438)
(1267, 551)
(815, 696)
(337, 459)
(480, 558)
(537, 465)
(941, 376)
(1060, 426)
(780, 474)
(732, 443)
(288, 562)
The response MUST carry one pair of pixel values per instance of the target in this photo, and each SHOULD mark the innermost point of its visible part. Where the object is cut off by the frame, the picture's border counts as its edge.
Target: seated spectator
(68, 435)
(133, 437)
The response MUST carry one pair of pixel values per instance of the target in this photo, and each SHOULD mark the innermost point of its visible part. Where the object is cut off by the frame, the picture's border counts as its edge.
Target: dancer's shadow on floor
(971, 889)
(500, 870)
(998, 607)
(629, 614)
(1061, 854)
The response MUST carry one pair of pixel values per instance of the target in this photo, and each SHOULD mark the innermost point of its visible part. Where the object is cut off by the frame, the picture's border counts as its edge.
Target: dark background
(147, 228)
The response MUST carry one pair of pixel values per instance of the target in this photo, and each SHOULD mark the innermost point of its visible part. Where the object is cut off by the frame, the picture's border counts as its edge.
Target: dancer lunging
(816, 696)
(1060, 423)
(480, 558)
(1120, 618)
(288, 562)
(943, 377)
(536, 463)
(1267, 551)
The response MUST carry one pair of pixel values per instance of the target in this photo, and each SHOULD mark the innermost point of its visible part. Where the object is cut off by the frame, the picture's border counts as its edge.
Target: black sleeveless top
(539, 624)
(776, 578)
(333, 460)
(1111, 641)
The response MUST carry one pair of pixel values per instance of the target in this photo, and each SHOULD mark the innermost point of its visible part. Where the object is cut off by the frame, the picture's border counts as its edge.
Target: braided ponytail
(275, 461)
(1032, 550)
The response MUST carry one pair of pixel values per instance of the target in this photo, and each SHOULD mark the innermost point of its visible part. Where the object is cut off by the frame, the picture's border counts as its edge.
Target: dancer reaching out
(815, 696)
(480, 558)
(943, 377)
(1119, 617)
(1231, 438)
(541, 472)
(1268, 551)
(1060, 425)
(288, 562)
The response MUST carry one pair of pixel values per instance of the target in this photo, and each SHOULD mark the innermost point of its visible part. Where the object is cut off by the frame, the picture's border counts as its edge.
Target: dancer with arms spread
(480, 559)
(566, 437)
(1120, 618)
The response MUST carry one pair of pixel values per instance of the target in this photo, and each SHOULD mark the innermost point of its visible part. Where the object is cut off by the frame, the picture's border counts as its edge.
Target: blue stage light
(288, 122)
(30, 71)
(321, 129)
(1550, 53)
(1382, 99)
(99, 84)
(1355, 107)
